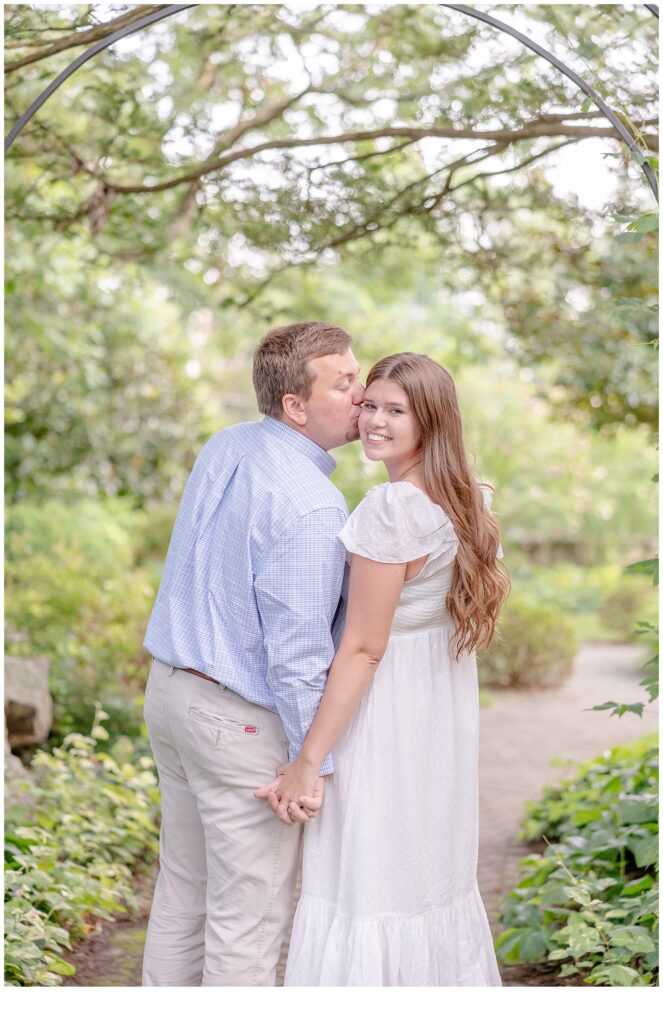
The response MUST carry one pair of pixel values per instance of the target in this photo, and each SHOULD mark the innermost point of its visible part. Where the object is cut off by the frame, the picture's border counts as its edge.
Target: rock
(14, 767)
(28, 702)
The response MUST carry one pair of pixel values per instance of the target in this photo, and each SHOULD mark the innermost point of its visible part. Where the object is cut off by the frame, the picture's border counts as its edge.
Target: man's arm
(297, 590)
(375, 588)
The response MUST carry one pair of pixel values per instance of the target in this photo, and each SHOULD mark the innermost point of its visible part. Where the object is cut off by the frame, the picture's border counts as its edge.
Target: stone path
(520, 733)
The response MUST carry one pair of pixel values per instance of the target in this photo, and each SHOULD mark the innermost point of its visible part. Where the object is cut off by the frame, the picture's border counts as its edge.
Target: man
(241, 634)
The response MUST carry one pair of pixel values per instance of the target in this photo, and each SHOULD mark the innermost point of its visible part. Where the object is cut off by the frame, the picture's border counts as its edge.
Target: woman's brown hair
(479, 585)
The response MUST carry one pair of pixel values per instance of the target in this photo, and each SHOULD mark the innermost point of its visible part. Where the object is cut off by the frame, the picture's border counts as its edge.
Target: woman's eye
(367, 405)
(397, 410)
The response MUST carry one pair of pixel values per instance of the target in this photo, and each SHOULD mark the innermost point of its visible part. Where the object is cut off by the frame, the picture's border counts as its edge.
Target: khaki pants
(228, 866)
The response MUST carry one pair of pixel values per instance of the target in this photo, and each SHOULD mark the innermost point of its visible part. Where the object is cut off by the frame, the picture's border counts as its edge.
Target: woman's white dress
(389, 888)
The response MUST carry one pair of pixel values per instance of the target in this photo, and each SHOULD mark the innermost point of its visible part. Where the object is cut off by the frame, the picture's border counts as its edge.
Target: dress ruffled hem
(446, 946)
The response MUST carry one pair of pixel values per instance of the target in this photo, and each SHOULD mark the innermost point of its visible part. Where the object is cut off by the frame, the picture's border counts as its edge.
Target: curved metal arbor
(171, 9)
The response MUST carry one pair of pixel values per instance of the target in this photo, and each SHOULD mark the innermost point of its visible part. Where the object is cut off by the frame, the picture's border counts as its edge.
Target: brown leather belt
(202, 675)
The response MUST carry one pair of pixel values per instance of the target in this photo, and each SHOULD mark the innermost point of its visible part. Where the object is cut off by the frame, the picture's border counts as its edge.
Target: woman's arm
(374, 589)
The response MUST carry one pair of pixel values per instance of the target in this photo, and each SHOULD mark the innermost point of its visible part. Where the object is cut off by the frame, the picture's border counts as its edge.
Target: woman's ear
(294, 409)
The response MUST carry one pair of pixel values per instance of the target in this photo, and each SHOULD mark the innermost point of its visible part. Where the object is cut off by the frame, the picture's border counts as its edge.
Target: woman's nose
(376, 419)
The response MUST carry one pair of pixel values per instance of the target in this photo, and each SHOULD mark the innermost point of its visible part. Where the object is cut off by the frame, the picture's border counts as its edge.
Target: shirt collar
(322, 459)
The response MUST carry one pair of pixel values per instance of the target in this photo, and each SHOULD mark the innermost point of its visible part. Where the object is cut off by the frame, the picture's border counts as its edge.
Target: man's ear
(293, 408)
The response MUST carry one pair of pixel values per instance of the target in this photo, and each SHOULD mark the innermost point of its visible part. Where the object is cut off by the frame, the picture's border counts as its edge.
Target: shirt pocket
(218, 725)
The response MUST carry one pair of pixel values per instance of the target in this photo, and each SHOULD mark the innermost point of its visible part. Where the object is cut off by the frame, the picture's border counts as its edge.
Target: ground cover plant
(589, 899)
(75, 834)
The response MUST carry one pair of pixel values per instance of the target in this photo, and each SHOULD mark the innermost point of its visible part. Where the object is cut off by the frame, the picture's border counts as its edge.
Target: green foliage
(589, 902)
(75, 596)
(625, 605)
(650, 632)
(587, 321)
(535, 647)
(97, 399)
(73, 835)
(162, 208)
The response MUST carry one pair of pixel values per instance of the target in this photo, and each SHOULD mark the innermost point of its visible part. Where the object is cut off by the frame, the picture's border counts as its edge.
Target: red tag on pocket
(250, 728)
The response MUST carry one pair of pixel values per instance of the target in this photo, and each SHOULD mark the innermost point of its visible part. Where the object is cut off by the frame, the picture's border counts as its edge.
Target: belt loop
(171, 670)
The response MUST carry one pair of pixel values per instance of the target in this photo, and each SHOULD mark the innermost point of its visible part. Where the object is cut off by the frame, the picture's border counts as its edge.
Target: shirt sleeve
(297, 589)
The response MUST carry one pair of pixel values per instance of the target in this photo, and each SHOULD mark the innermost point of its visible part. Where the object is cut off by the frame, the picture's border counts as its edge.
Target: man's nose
(359, 393)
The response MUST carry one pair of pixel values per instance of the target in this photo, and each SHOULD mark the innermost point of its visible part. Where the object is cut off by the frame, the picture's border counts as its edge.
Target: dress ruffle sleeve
(397, 522)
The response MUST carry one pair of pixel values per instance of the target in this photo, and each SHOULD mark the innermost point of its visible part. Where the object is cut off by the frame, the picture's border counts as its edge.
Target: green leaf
(620, 975)
(618, 709)
(648, 566)
(637, 940)
(637, 809)
(60, 966)
(639, 885)
(578, 894)
(533, 946)
(644, 850)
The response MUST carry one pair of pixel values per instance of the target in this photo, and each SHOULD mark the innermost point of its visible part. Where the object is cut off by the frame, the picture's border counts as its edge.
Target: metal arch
(542, 52)
(171, 9)
(64, 75)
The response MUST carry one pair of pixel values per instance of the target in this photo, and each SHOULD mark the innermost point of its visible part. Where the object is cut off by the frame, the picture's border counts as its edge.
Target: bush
(90, 818)
(152, 529)
(75, 595)
(631, 600)
(535, 646)
(590, 901)
(568, 586)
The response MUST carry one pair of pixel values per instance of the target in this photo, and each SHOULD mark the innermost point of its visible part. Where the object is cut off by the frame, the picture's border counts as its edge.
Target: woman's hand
(296, 794)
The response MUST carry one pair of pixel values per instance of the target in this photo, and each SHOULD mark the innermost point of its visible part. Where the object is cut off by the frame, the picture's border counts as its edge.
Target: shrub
(535, 646)
(590, 901)
(75, 596)
(569, 586)
(631, 600)
(90, 818)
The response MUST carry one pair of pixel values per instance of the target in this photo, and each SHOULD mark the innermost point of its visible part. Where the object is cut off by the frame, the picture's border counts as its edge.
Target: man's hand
(296, 794)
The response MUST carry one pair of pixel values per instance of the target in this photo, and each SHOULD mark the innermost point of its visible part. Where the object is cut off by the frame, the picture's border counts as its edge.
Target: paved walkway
(520, 733)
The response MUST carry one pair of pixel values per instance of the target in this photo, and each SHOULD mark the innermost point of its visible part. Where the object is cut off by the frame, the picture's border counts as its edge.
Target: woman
(389, 890)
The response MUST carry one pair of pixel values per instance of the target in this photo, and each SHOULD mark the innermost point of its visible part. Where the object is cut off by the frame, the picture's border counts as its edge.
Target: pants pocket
(216, 725)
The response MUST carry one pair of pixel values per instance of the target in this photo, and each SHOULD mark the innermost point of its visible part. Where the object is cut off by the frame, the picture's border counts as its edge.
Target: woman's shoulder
(396, 522)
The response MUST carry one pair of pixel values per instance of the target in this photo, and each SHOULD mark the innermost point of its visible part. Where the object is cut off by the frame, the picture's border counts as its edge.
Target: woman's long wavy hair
(479, 584)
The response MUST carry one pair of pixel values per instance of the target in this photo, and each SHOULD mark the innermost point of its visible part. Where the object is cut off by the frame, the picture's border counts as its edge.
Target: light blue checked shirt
(252, 591)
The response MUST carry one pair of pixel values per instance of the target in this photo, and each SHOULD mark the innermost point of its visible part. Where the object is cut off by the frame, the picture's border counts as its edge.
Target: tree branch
(82, 38)
(507, 136)
(364, 156)
(429, 202)
(269, 113)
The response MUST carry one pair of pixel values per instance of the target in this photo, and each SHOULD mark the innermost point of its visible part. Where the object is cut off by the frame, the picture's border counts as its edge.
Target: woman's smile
(388, 428)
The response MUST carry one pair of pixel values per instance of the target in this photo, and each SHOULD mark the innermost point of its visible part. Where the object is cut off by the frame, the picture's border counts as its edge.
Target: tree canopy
(267, 135)
(207, 174)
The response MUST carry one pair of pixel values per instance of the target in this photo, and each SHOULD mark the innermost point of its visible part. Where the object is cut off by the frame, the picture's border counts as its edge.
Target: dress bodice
(422, 602)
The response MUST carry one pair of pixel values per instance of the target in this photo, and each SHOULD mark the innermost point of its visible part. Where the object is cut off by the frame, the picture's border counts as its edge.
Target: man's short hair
(280, 363)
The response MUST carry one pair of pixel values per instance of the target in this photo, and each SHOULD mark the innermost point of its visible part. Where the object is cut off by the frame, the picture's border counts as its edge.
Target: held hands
(296, 794)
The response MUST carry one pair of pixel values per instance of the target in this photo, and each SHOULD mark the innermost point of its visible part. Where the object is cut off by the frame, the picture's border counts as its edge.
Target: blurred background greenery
(148, 254)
